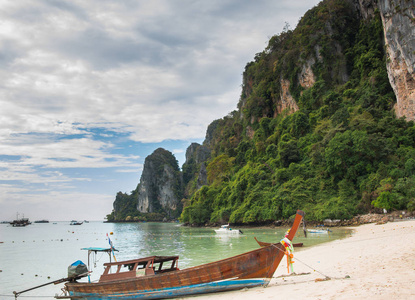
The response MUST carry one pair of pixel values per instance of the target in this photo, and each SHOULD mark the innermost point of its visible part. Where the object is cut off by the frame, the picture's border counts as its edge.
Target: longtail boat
(158, 277)
(264, 244)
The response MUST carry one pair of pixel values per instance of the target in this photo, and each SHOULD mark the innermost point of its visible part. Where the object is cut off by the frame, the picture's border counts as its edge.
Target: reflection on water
(40, 253)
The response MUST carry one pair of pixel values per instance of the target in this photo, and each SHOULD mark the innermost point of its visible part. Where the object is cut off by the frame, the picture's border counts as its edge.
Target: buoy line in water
(145, 238)
(34, 241)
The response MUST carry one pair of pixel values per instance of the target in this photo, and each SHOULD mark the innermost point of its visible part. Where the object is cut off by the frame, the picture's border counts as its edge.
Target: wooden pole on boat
(17, 294)
(298, 217)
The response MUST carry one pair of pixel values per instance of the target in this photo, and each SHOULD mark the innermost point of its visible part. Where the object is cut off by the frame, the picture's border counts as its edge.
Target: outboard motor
(76, 269)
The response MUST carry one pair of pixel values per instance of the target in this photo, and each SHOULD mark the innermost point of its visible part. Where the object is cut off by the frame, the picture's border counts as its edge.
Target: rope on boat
(314, 269)
(290, 257)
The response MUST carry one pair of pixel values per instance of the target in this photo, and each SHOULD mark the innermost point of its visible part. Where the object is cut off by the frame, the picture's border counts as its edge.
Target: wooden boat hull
(204, 288)
(250, 269)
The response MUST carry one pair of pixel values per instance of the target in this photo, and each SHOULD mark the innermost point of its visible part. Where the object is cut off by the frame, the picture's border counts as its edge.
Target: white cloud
(68, 153)
(73, 71)
(83, 62)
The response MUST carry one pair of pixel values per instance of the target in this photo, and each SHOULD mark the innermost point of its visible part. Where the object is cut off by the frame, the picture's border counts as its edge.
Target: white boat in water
(323, 231)
(225, 229)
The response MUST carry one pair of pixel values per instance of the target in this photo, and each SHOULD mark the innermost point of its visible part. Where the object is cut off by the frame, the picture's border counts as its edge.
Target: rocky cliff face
(295, 60)
(194, 169)
(398, 17)
(160, 185)
(286, 101)
(197, 153)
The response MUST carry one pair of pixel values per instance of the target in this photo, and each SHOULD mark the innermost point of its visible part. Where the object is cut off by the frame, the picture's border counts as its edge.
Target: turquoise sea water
(41, 253)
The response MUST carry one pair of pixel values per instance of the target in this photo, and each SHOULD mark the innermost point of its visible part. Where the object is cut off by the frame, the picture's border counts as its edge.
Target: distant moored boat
(73, 222)
(225, 229)
(321, 231)
(20, 222)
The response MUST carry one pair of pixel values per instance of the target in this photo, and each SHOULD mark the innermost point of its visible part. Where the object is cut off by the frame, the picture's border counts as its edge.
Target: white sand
(379, 261)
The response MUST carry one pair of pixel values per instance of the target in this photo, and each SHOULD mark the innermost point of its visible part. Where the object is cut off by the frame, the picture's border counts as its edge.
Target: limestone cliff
(160, 187)
(286, 101)
(194, 168)
(398, 18)
(399, 28)
(296, 59)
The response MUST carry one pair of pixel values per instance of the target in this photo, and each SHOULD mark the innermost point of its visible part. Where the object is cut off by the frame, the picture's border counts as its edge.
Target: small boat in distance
(225, 229)
(41, 221)
(321, 231)
(20, 222)
(159, 277)
(73, 222)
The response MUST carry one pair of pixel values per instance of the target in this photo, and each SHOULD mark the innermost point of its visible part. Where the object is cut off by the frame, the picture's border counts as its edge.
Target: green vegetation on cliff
(341, 152)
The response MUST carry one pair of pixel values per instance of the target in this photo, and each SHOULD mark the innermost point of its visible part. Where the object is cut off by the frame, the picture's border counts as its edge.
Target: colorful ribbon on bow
(289, 252)
(112, 247)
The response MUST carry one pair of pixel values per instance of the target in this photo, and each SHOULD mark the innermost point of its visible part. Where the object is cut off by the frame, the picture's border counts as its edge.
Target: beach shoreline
(375, 261)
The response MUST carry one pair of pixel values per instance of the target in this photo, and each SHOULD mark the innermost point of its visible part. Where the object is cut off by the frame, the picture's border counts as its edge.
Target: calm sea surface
(40, 253)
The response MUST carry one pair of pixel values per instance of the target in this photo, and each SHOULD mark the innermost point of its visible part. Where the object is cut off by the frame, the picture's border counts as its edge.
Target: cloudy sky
(88, 89)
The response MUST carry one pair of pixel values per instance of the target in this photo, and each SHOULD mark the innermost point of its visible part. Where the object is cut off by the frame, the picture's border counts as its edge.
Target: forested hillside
(315, 129)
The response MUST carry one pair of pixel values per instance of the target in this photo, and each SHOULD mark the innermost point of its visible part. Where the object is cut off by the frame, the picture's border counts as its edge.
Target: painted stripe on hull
(212, 287)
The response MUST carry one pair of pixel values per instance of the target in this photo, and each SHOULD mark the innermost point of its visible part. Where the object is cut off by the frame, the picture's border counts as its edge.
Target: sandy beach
(376, 262)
